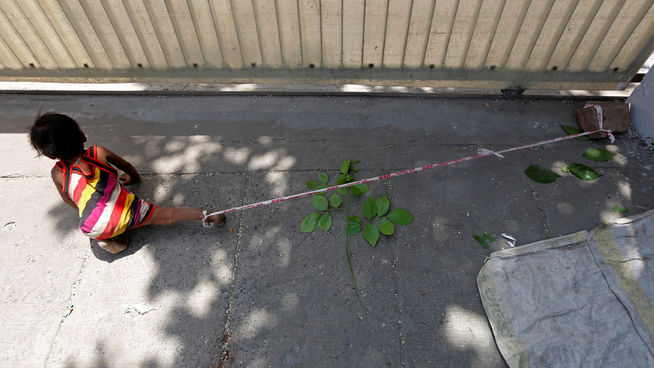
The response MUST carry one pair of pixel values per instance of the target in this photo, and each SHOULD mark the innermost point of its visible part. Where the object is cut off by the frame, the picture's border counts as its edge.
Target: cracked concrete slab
(259, 292)
(438, 258)
(287, 284)
(40, 263)
(171, 284)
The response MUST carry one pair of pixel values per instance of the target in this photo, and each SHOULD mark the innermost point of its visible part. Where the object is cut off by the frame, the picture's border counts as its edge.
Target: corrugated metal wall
(581, 44)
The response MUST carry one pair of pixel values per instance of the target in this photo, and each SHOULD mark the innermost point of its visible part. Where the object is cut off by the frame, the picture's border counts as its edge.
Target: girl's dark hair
(57, 136)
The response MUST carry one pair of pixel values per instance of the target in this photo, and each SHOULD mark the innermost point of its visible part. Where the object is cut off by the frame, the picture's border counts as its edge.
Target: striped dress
(106, 208)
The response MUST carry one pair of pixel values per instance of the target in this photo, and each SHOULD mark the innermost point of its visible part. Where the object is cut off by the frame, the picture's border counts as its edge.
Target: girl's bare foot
(113, 245)
(209, 221)
(217, 219)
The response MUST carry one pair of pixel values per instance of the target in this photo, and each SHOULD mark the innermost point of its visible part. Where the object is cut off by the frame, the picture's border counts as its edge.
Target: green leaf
(540, 174)
(574, 130)
(571, 129)
(400, 217)
(371, 234)
(342, 191)
(370, 209)
(386, 227)
(565, 169)
(484, 239)
(323, 178)
(355, 162)
(356, 219)
(312, 184)
(382, 205)
(583, 172)
(481, 241)
(359, 189)
(341, 179)
(619, 209)
(319, 202)
(325, 221)
(335, 200)
(598, 154)
(310, 222)
(352, 228)
(345, 167)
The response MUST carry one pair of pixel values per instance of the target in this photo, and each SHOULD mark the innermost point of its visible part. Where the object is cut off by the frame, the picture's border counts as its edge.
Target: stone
(615, 117)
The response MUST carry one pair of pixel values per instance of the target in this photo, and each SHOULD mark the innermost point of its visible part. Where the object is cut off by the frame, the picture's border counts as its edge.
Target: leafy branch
(377, 220)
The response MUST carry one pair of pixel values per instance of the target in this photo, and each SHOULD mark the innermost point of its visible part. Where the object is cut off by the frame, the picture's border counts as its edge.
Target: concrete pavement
(257, 292)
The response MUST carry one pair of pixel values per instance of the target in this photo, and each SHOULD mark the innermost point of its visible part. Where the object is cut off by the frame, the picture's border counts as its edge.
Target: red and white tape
(481, 153)
(599, 112)
(600, 118)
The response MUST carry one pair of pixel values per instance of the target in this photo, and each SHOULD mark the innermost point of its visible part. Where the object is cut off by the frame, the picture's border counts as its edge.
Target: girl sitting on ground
(88, 180)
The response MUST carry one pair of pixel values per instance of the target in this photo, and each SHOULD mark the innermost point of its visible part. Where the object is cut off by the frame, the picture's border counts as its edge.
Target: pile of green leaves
(378, 218)
(320, 202)
(581, 171)
(385, 224)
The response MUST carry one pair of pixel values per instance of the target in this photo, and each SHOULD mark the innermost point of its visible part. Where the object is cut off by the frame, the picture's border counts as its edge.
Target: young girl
(88, 181)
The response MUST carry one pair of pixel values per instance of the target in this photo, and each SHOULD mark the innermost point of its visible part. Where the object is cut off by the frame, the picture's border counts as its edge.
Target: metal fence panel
(552, 44)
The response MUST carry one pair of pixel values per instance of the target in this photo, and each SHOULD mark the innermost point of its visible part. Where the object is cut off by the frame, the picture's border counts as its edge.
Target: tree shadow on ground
(258, 284)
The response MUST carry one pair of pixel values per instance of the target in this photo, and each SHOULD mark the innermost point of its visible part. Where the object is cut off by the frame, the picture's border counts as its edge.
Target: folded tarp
(581, 300)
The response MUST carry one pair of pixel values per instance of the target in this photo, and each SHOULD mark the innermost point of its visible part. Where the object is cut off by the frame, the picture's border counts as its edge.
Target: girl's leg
(171, 215)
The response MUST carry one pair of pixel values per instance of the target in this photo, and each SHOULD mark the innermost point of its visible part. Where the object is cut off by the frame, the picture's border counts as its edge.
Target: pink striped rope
(480, 154)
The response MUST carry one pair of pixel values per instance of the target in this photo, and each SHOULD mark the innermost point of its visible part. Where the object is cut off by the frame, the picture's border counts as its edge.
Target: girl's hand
(125, 179)
(129, 175)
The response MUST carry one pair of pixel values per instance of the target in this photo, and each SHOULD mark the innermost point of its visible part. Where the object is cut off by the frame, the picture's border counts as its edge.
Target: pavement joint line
(247, 172)
(17, 176)
(370, 313)
(204, 173)
(388, 186)
(227, 333)
(542, 216)
(208, 173)
(212, 173)
(541, 213)
(69, 303)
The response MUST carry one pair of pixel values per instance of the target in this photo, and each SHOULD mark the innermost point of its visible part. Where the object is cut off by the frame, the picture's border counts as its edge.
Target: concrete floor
(258, 292)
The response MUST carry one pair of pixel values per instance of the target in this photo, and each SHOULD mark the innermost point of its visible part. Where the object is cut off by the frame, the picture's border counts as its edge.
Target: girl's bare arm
(58, 179)
(107, 156)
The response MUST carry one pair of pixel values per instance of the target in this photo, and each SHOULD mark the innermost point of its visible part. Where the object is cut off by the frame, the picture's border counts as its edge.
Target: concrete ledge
(291, 89)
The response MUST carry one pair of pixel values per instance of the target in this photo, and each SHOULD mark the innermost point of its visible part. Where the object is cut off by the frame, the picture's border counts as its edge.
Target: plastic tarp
(581, 300)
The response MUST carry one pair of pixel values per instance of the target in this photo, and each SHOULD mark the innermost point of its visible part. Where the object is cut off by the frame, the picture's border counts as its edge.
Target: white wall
(642, 106)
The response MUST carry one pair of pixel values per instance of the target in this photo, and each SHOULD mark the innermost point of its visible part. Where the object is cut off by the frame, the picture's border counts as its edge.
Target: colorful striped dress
(106, 208)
